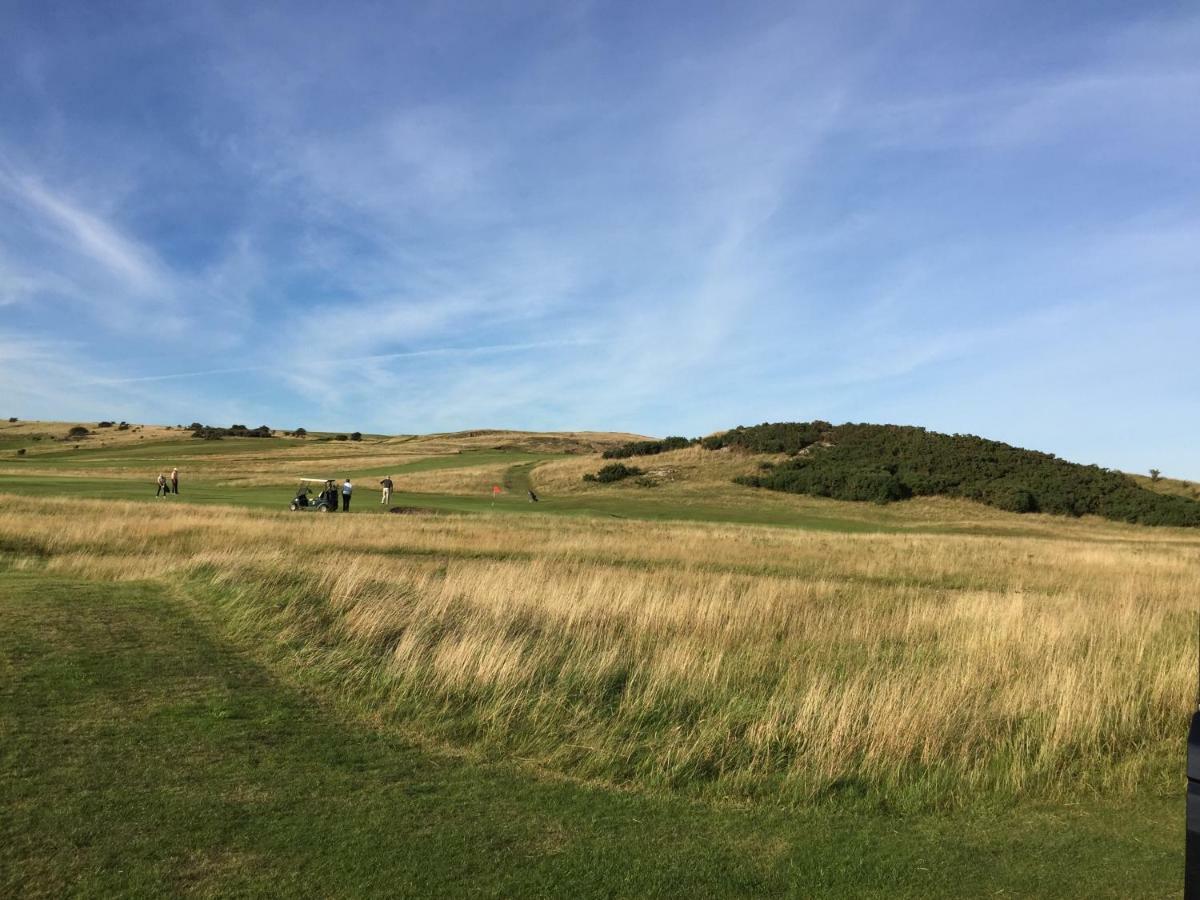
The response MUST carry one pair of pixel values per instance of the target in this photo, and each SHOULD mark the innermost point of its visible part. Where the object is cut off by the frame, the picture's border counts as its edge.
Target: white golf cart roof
(317, 480)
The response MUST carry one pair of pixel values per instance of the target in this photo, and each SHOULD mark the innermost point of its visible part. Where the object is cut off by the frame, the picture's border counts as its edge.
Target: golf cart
(326, 499)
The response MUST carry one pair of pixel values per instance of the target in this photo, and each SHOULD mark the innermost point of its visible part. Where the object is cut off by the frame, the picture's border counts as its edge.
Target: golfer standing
(347, 490)
(387, 489)
(175, 480)
(161, 490)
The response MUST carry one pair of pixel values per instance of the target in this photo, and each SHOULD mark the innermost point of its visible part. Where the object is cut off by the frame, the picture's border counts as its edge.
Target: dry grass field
(710, 659)
(694, 466)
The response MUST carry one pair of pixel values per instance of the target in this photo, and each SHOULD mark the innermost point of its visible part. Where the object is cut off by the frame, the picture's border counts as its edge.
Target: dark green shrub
(613, 472)
(243, 431)
(885, 463)
(21, 452)
(342, 437)
(211, 433)
(647, 448)
(77, 431)
(1018, 501)
(356, 436)
(779, 437)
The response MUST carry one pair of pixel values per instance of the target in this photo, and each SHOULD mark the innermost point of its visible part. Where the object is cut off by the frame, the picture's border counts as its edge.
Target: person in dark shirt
(387, 490)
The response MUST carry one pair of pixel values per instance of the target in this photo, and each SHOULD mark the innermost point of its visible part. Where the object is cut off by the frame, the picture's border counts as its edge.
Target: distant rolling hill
(887, 463)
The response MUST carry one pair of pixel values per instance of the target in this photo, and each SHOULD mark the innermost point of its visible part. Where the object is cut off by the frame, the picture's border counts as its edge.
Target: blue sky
(662, 218)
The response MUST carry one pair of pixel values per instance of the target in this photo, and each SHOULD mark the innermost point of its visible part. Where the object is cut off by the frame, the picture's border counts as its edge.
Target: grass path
(143, 754)
(517, 478)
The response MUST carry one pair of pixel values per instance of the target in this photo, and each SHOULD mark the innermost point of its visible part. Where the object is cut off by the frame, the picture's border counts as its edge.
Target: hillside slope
(885, 463)
(524, 441)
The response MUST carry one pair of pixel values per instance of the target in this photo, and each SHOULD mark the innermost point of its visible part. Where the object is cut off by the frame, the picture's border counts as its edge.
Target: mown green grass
(200, 486)
(143, 753)
(366, 502)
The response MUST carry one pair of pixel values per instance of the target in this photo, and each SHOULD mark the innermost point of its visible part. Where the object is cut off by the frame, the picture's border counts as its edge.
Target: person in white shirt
(347, 490)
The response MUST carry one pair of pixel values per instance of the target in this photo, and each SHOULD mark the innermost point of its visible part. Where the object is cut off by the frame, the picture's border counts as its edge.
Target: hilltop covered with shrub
(885, 463)
(647, 448)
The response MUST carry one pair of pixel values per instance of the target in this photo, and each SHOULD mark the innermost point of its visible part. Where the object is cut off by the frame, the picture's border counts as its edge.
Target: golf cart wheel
(294, 506)
(329, 508)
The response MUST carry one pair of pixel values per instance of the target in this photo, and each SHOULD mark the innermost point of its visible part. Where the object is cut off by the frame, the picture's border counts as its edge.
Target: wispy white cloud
(88, 234)
(311, 360)
(1095, 109)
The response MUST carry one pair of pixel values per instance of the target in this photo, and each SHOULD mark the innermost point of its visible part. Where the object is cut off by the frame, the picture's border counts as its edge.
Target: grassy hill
(887, 463)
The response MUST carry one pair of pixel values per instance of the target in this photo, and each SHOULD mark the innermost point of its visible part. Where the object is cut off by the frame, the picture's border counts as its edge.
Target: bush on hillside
(104, 424)
(78, 431)
(213, 433)
(885, 463)
(647, 448)
(342, 437)
(1017, 500)
(613, 472)
(356, 436)
(778, 437)
(877, 485)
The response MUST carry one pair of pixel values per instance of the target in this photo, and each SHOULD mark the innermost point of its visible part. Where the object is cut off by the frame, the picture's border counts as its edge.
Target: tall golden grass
(725, 660)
